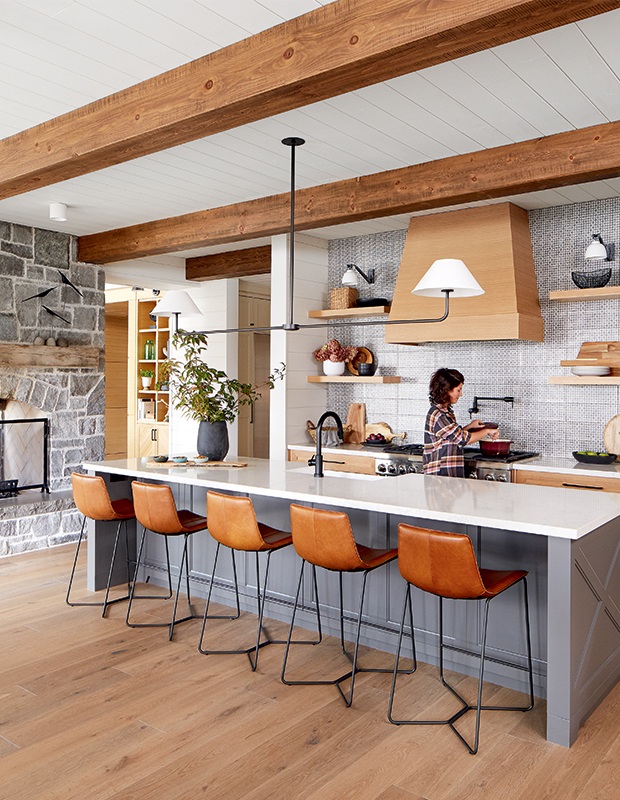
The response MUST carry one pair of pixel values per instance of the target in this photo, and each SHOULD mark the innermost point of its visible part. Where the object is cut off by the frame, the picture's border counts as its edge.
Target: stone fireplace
(65, 385)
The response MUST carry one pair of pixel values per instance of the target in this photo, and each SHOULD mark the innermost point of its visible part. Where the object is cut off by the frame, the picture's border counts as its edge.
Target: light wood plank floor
(91, 709)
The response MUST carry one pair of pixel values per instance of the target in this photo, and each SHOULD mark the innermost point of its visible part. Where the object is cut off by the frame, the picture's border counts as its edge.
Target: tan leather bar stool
(325, 539)
(93, 502)
(444, 564)
(232, 523)
(156, 511)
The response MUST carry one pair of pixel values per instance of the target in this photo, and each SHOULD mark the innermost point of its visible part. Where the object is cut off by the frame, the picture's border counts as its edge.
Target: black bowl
(592, 280)
(584, 458)
(372, 301)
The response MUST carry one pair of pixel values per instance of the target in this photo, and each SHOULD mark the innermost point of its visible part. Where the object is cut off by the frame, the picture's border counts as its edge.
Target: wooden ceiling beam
(549, 162)
(335, 49)
(232, 264)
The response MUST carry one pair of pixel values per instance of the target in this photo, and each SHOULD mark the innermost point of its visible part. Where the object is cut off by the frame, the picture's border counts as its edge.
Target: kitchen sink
(330, 473)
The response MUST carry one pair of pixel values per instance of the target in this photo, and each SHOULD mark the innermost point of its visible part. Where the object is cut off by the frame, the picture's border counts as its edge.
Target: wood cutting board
(612, 435)
(384, 429)
(197, 464)
(356, 418)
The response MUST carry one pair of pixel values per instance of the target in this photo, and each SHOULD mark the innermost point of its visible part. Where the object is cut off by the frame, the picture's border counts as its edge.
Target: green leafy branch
(204, 392)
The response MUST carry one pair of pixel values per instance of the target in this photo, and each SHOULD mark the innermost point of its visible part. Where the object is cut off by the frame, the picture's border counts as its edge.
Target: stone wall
(32, 261)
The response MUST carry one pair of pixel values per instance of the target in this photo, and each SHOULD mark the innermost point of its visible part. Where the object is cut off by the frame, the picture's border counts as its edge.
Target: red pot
(495, 447)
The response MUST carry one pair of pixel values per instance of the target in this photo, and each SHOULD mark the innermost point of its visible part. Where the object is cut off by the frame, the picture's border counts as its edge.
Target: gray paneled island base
(568, 540)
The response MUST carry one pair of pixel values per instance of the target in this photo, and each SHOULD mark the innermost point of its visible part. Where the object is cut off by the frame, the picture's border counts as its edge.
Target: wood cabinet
(153, 440)
(363, 465)
(567, 480)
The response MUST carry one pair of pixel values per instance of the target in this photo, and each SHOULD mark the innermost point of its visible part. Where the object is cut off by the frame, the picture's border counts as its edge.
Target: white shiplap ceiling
(57, 55)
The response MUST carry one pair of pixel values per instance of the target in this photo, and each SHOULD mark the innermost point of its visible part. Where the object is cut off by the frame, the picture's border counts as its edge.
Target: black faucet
(318, 457)
(474, 409)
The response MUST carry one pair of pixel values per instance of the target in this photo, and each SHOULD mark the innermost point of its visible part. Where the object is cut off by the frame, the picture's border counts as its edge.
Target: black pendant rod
(292, 142)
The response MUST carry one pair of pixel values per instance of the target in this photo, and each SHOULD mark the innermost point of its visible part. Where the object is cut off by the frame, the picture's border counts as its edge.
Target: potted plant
(207, 394)
(334, 356)
(147, 376)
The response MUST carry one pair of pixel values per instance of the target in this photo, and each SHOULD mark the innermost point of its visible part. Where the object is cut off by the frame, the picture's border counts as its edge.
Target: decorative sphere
(62, 342)
(51, 342)
(39, 340)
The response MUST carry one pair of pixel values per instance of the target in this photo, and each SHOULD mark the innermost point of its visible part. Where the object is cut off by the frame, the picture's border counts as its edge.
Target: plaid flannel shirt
(443, 444)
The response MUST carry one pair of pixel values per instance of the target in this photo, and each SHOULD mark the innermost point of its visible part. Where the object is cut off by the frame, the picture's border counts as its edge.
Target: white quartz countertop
(565, 513)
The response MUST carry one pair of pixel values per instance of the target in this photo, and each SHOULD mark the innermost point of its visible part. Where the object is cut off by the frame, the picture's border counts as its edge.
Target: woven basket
(346, 297)
(311, 428)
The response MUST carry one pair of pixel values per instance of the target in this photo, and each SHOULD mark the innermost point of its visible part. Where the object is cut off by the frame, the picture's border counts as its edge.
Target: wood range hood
(494, 242)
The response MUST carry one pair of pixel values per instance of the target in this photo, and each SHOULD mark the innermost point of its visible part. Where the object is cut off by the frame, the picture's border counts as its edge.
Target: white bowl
(590, 371)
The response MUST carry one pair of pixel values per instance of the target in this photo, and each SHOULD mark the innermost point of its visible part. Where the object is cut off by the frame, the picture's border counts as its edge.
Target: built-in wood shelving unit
(578, 295)
(593, 354)
(353, 379)
(350, 313)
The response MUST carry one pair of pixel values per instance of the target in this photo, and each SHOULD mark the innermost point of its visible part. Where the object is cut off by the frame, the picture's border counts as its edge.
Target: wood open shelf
(353, 379)
(578, 380)
(345, 313)
(578, 295)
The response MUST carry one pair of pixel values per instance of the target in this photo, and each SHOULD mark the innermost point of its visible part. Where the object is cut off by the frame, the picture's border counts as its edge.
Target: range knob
(381, 469)
(489, 477)
(392, 469)
(403, 470)
(502, 478)
(473, 476)
(412, 468)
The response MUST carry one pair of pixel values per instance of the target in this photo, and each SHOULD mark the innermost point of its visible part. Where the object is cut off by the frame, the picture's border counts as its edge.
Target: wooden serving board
(384, 429)
(197, 464)
(612, 435)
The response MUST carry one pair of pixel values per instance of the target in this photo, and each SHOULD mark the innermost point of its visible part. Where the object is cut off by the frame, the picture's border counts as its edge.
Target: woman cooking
(444, 438)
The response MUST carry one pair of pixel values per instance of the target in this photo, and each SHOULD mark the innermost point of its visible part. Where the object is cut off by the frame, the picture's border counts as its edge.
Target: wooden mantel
(31, 355)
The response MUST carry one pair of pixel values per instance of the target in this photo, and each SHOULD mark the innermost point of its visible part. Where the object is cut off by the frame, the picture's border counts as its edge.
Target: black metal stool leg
(175, 621)
(106, 601)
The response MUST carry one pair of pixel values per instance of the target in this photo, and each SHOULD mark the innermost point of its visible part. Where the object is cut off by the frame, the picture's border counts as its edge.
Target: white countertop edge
(414, 496)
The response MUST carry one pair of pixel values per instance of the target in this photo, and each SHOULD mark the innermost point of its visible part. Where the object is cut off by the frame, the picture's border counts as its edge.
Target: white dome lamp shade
(448, 275)
(176, 303)
(598, 250)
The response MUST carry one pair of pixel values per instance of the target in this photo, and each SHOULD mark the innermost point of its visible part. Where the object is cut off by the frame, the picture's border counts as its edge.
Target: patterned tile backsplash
(553, 420)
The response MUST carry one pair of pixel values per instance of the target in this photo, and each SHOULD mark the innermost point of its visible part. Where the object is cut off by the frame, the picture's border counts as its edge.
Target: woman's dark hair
(442, 382)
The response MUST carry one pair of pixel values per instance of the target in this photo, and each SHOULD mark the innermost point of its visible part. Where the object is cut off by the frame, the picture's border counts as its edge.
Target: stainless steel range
(404, 459)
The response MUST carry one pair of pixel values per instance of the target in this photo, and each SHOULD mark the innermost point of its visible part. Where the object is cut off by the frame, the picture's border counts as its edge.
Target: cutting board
(612, 435)
(197, 464)
(356, 418)
(384, 429)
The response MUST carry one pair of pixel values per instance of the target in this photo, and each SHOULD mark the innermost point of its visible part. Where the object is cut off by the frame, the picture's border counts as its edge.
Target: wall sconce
(597, 249)
(350, 276)
(174, 304)
(58, 212)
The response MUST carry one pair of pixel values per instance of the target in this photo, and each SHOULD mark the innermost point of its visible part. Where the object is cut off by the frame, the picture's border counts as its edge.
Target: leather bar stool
(444, 564)
(156, 511)
(93, 502)
(325, 539)
(232, 523)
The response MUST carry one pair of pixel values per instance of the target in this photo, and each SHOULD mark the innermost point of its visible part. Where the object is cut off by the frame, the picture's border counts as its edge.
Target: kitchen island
(568, 541)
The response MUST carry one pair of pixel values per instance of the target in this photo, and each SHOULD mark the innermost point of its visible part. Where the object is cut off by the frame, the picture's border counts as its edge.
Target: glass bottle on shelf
(149, 350)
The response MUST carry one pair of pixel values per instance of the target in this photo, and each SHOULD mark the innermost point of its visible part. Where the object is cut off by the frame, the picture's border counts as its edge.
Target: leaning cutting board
(612, 435)
(356, 418)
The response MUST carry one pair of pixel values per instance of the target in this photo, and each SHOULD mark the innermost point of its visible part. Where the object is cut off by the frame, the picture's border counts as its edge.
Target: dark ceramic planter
(212, 440)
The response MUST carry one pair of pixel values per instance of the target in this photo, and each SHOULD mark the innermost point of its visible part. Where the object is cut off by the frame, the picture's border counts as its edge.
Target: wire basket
(592, 280)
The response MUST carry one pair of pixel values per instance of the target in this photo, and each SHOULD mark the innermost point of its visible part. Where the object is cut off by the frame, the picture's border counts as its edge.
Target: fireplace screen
(24, 446)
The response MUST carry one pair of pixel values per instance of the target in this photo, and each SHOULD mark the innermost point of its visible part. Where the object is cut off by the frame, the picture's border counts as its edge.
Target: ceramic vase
(333, 367)
(212, 440)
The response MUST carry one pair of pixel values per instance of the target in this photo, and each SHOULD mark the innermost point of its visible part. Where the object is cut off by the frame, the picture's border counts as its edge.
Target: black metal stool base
(133, 596)
(465, 706)
(251, 652)
(106, 601)
(348, 698)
